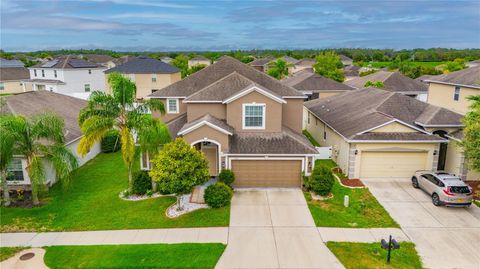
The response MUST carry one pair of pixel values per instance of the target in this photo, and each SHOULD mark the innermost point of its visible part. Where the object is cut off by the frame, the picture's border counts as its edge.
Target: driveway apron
(444, 237)
(273, 228)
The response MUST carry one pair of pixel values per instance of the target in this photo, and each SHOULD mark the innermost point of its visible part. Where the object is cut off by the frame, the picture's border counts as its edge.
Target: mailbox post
(392, 244)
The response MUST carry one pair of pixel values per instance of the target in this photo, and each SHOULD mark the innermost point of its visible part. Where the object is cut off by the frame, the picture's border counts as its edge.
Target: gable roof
(209, 120)
(144, 65)
(31, 103)
(307, 80)
(262, 61)
(289, 59)
(469, 77)
(67, 62)
(98, 58)
(357, 111)
(393, 81)
(305, 62)
(212, 74)
(14, 73)
(351, 70)
(199, 58)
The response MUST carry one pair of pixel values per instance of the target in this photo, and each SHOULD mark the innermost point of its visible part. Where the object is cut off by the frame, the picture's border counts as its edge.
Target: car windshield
(459, 189)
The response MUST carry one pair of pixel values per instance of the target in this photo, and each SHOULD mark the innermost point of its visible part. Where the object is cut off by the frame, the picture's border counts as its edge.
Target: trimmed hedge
(218, 195)
(227, 176)
(111, 142)
(321, 181)
(142, 183)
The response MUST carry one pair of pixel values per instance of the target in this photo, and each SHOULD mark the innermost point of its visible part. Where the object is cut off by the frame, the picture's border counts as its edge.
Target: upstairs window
(43, 73)
(456, 94)
(2, 86)
(254, 116)
(154, 77)
(35, 72)
(172, 106)
(55, 73)
(87, 87)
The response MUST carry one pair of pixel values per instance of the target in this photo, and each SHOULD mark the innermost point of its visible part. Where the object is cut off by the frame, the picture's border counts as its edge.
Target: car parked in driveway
(444, 188)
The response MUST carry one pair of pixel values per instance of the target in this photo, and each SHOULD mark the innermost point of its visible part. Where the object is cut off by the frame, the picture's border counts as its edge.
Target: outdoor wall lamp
(434, 152)
(356, 152)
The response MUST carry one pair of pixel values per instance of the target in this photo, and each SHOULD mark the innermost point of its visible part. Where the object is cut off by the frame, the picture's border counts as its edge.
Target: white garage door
(391, 164)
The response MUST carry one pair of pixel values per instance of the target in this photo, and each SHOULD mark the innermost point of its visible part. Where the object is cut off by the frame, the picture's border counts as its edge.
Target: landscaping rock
(187, 206)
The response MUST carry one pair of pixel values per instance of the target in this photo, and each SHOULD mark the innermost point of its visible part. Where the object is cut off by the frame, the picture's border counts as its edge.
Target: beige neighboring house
(32, 103)
(380, 134)
(451, 90)
(315, 86)
(197, 60)
(149, 74)
(305, 63)
(166, 59)
(241, 119)
(261, 64)
(11, 80)
(394, 82)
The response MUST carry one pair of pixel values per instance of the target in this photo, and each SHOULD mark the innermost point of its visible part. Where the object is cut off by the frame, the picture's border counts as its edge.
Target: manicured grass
(364, 210)
(92, 203)
(7, 252)
(387, 64)
(134, 256)
(310, 138)
(371, 255)
(477, 203)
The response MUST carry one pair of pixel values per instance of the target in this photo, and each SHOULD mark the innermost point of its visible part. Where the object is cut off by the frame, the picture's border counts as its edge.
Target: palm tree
(39, 139)
(279, 68)
(119, 112)
(7, 140)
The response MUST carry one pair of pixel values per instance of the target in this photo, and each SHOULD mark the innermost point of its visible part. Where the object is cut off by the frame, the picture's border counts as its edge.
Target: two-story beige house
(11, 80)
(149, 74)
(241, 119)
(451, 90)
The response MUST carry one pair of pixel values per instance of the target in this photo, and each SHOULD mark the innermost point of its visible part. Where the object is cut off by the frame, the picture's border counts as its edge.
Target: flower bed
(187, 206)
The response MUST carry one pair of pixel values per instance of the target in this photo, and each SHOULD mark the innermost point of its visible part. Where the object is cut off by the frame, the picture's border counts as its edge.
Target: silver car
(444, 188)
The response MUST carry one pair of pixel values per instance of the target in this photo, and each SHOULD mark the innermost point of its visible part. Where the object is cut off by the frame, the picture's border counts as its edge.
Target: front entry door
(211, 155)
(442, 156)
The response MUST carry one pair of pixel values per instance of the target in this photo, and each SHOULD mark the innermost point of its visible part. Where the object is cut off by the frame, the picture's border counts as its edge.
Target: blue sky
(226, 25)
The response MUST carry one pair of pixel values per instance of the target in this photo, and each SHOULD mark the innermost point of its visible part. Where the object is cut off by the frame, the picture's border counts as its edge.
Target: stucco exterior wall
(170, 116)
(393, 128)
(145, 85)
(273, 113)
(455, 163)
(12, 86)
(94, 151)
(197, 110)
(442, 95)
(206, 132)
(292, 114)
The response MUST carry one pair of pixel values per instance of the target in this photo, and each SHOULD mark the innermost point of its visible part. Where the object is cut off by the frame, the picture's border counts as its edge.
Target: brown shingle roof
(262, 61)
(306, 80)
(98, 58)
(217, 71)
(398, 137)
(210, 119)
(357, 111)
(176, 124)
(305, 62)
(14, 73)
(468, 76)
(289, 59)
(351, 70)
(393, 81)
(31, 103)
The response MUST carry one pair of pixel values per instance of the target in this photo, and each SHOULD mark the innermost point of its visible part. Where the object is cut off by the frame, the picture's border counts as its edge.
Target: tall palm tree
(279, 68)
(119, 112)
(7, 140)
(40, 139)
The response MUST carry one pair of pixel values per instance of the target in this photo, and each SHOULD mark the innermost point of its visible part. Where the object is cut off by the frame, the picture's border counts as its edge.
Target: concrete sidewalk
(115, 237)
(361, 235)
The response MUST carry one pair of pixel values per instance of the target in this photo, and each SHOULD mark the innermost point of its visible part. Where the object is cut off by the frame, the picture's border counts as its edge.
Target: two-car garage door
(391, 164)
(267, 173)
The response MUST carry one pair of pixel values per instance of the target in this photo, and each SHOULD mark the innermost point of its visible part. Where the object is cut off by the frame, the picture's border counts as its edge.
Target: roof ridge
(66, 61)
(216, 82)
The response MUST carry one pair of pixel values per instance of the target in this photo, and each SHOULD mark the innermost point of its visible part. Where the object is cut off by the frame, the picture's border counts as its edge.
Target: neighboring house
(4, 63)
(11, 80)
(346, 60)
(473, 63)
(243, 120)
(67, 75)
(451, 90)
(314, 85)
(199, 60)
(100, 59)
(166, 59)
(351, 72)
(380, 134)
(149, 74)
(261, 64)
(32, 103)
(394, 82)
(120, 60)
(289, 60)
(305, 63)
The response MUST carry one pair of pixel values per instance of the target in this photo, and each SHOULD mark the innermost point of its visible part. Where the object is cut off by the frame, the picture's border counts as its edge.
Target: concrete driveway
(444, 237)
(274, 229)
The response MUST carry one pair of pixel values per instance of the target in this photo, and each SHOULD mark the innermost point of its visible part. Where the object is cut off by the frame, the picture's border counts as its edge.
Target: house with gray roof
(393, 82)
(11, 79)
(29, 104)
(302, 64)
(149, 74)
(261, 64)
(241, 119)
(376, 133)
(314, 85)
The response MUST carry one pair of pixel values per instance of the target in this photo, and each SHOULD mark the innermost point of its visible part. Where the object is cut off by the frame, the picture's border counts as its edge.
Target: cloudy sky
(226, 25)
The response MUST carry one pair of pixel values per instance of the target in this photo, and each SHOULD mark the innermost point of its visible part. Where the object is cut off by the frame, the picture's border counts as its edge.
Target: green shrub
(111, 142)
(142, 183)
(218, 195)
(226, 176)
(321, 181)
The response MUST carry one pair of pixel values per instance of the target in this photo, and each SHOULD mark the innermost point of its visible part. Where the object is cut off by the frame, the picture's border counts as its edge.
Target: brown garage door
(262, 173)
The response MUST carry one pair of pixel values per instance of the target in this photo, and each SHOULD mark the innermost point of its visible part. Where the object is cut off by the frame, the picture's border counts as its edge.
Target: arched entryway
(211, 150)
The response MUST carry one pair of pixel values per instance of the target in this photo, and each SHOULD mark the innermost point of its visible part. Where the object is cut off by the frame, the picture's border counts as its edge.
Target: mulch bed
(352, 182)
(475, 185)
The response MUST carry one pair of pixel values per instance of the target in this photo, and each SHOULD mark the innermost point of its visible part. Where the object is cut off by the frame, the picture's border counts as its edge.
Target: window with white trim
(254, 116)
(87, 87)
(154, 77)
(55, 73)
(15, 170)
(2, 86)
(172, 106)
(456, 94)
(34, 72)
(43, 73)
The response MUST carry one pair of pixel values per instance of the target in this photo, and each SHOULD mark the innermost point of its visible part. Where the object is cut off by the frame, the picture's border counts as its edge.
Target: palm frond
(147, 106)
(94, 129)
(99, 104)
(152, 134)
(49, 126)
(62, 160)
(123, 89)
(36, 171)
(128, 146)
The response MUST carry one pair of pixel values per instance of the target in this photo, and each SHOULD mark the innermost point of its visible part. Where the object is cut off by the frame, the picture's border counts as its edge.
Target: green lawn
(477, 203)
(134, 256)
(370, 255)
(7, 252)
(387, 64)
(364, 210)
(92, 203)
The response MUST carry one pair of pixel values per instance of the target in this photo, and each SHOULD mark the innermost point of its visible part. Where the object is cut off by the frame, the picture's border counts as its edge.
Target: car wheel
(415, 182)
(435, 199)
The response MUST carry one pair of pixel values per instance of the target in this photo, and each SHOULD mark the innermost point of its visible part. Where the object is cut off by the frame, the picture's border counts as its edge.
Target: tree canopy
(471, 132)
(328, 64)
